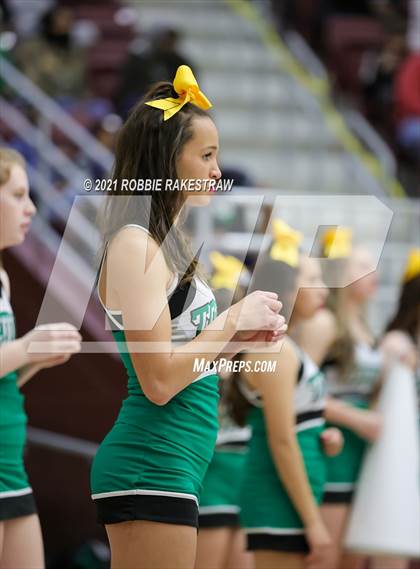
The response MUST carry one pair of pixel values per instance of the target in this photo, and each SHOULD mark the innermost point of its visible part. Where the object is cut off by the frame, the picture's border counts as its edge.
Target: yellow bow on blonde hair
(336, 242)
(186, 86)
(286, 243)
(412, 268)
(227, 271)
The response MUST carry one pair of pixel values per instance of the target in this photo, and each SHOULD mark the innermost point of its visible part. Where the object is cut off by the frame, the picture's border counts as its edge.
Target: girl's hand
(56, 342)
(369, 426)
(260, 339)
(332, 441)
(257, 312)
(320, 545)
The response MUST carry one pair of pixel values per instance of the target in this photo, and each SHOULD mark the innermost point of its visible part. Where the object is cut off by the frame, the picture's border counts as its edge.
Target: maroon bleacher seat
(107, 56)
(347, 38)
(104, 84)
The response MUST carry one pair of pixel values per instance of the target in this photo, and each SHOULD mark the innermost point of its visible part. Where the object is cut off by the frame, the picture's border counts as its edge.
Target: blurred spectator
(349, 6)
(23, 16)
(52, 60)
(5, 14)
(377, 72)
(105, 132)
(407, 105)
(413, 33)
(147, 63)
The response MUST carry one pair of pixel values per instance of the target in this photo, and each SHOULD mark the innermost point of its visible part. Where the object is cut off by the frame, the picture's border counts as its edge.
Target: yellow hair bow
(227, 271)
(286, 243)
(336, 242)
(186, 86)
(412, 268)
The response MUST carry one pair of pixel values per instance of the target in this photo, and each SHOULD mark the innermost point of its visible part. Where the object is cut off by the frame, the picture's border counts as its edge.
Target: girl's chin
(7, 241)
(199, 200)
(19, 239)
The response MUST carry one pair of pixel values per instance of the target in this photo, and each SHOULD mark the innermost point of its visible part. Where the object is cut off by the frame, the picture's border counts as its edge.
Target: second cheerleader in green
(285, 470)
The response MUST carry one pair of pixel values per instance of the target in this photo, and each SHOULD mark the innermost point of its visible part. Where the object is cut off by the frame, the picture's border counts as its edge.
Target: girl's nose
(31, 208)
(216, 173)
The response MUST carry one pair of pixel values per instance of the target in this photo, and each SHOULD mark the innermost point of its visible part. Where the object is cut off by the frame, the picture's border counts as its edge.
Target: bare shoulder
(284, 371)
(132, 239)
(316, 335)
(134, 245)
(287, 355)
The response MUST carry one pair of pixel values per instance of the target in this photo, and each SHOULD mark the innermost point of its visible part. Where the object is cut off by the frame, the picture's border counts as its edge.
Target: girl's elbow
(283, 445)
(158, 393)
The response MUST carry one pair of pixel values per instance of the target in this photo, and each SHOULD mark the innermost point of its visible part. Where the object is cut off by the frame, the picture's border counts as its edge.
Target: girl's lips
(25, 226)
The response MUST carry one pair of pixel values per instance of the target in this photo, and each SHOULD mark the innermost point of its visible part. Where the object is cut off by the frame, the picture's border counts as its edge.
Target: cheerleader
(285, 469)
(147, 475)
(20, 531)
(348, 353)
(221, 543)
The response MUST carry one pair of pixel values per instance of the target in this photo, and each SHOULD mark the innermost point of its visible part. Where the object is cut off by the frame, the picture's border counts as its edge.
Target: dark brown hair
(148, 148)
(407, 316)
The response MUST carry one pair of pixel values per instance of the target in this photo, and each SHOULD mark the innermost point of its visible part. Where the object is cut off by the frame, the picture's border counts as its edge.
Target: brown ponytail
(237, 404)
(147, 148)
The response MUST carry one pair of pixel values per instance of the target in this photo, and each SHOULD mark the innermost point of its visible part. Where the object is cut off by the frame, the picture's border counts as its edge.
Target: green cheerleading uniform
(343, 470)
(219, 500)
(152, 463)
(268, 516)
(16, 497)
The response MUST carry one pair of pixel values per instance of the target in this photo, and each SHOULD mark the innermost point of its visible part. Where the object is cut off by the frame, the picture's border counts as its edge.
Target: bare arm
(258, 341)
(26, 373)
(60, 340)
(277, 390)
(13, 355)
(137, 274)
(367, 423)
(316, 336)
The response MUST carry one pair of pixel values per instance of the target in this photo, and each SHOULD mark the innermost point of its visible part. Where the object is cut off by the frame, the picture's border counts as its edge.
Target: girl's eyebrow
(212, 147)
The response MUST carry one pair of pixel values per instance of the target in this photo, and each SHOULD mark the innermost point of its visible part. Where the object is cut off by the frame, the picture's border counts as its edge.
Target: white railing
(52, 113)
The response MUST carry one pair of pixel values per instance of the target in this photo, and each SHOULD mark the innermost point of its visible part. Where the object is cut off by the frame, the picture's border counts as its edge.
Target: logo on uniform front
(317, 385)
(203, 315)
(7, 327)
